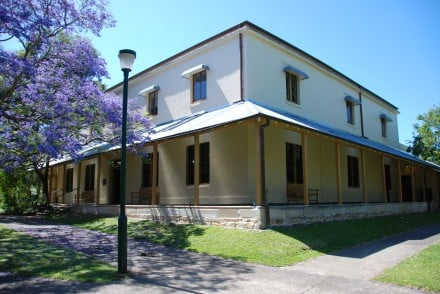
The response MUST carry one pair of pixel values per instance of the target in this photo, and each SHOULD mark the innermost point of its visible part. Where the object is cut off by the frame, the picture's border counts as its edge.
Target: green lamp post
(126, 58)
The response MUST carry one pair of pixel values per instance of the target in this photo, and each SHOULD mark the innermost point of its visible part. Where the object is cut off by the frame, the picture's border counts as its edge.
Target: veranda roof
(243, 110)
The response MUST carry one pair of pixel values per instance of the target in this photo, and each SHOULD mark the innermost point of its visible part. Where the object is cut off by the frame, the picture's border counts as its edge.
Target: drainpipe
(240, 40)
(362, 115)
(263, 174)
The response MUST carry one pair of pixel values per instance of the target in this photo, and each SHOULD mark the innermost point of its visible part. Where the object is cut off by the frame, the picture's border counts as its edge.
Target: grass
(421, 271)
(24, 255)
(273, 247)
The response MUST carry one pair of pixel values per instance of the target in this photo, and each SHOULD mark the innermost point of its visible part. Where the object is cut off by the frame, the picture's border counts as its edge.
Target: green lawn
(24, 255)
(421, 271)
(274, 247)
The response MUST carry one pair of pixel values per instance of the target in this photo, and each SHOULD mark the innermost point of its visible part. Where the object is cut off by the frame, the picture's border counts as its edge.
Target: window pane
(69, 180)
(291, 87)
(152, 102)
(90, 178)
(190, 165)
(349, 109)
(353, 171)
(199, 86)
(294, 165)
(204, 163)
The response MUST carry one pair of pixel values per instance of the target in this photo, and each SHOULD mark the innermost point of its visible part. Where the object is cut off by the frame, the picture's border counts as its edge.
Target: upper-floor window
(384, 119)
(383, 126)
(152, 102)
(199, 86)
(293, 78)
(350, 103)
(292, 87)
(151, 94)
(204, 164)
(349, 106)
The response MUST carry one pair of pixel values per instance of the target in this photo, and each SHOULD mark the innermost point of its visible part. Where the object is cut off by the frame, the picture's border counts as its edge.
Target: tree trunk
(43, 176)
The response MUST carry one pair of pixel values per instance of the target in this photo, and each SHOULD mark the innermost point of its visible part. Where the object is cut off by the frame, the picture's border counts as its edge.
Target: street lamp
(126, 58)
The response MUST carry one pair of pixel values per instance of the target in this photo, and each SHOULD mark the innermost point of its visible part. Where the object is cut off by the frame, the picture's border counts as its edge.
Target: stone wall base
(307, 214)
(245, 217)
(254, 217)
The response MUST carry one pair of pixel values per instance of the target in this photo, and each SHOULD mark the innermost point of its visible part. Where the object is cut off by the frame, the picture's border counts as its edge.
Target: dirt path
(159, 269)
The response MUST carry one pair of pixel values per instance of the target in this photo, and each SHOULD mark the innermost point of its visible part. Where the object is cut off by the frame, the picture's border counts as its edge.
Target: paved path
(159, 269)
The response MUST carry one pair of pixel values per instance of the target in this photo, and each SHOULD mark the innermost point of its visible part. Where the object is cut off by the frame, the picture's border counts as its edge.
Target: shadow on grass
(28, 256)
(333, 236)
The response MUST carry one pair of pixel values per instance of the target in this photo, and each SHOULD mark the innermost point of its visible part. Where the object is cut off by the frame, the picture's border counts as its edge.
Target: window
(292, 88)
(90, 178)
(353, 171)
(204, 164)
(383, 125)
(294, 163)
(147, 171)
(69, 180)
(152, 102)
(199, 86)
(349, 106)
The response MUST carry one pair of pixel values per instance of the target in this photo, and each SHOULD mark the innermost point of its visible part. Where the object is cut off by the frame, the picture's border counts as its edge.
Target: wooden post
(413, 187)
(424, 185)
(338, 173)
(196, 169)
(305, 168)
(399, 181)
(384, 179)
(63, 191)
(363, 173)
(97, 194)
(258, 187)
(78, 191)
(154, 198)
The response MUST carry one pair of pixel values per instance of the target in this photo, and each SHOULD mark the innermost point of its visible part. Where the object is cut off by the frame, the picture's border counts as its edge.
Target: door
(115, 181)
(406, 188)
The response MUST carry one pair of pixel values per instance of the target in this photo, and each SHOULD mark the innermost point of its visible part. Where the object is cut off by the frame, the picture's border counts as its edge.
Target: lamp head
(126, 59)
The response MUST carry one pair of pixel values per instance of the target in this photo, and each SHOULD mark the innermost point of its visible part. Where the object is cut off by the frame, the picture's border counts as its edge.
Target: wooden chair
(87, 197)
(295, 193)
(145, 193)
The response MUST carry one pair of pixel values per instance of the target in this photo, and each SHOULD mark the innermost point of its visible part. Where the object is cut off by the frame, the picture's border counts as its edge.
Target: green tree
(426, 143)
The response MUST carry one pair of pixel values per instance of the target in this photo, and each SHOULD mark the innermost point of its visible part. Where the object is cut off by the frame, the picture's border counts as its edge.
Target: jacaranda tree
(51, 97)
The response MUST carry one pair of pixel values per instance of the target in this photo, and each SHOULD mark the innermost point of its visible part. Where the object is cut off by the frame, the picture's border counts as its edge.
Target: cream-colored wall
(321, 96)
(228, 152)
(374, 177)
(372, 123)
(174, 96)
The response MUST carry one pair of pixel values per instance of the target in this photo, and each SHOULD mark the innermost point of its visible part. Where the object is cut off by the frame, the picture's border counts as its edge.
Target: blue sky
(391, 47)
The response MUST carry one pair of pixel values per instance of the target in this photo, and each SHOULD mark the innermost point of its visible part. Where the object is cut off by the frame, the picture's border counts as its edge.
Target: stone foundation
(245, 217)
(307, 214)
(254, 217)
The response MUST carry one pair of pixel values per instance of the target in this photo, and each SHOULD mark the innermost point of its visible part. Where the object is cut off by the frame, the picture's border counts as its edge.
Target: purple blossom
(51, 101)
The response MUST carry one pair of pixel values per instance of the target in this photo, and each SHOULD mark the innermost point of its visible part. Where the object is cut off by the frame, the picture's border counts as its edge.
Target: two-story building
(251, 131)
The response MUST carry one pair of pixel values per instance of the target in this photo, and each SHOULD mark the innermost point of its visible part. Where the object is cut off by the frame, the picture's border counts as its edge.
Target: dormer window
(152, 95)
(293, 77)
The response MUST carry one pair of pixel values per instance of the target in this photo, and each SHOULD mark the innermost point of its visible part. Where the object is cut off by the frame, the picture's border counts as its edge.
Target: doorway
(115, 172)
(406, 188)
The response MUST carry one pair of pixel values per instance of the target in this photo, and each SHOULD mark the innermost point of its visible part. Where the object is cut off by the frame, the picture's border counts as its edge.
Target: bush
(20, 192)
